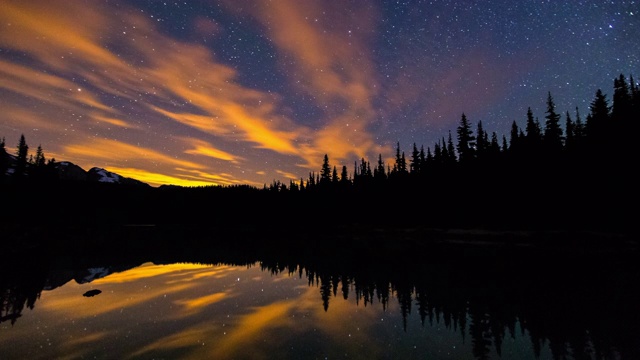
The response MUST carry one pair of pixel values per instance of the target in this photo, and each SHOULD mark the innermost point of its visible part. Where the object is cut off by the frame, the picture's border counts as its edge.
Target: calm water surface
(151, 294)
(192, 311)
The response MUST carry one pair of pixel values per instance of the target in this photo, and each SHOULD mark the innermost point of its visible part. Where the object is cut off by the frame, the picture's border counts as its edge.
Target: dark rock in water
(91, 293)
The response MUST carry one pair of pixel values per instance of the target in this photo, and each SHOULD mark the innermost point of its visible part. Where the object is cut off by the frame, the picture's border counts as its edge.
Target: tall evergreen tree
(415, 160)
(344, 176)
(570, 130)
(451, 153)
(39, 160)
(312, 180)
(623, 124)
(379, 170)
(430, 158)
(621, 107)
(533, 132)
(438, 157)
(325, 173)
(597, 121)
(494, 146)
(482, 140)
(633, 124)
(401, 164)
(513, 139)
(466, 144)
(22, 156)
(552, 130)
(578, 129)
(4, 159)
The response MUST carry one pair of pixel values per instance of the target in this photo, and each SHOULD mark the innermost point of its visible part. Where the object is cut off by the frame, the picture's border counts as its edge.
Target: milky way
(248, 92)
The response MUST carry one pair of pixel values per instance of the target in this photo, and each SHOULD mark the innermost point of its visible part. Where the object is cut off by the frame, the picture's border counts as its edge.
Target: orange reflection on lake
(196, 311)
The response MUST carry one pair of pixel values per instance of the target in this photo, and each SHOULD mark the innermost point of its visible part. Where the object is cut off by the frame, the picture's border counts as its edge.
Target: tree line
(605, 136)
(25, 164)
(563, 172)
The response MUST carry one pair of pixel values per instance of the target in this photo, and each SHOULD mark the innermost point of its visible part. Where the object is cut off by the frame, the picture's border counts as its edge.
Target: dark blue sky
(233, 91)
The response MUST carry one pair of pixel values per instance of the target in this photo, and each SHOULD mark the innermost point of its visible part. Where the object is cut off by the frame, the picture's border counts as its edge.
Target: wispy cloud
(326, 53)
(105, 86)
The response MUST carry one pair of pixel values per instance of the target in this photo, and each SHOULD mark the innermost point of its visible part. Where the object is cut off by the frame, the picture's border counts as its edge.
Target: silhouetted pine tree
(22, 156)
(621, 107)
(312, 180)
(597, 121)
(400, 166)
(429, 159)
(379, 171)
(624, 125)
(516, 142)
(451, 152)
(39, 160)
(466, 140)
(4, 159)
(42, 170)
(482, 141)
(422, 159)
(414, 165)
(579, 130)
(570, 129)
(325, 173)
(494, 148)
(533, 136)
(344, 176)
(438, 158)
(552, 130)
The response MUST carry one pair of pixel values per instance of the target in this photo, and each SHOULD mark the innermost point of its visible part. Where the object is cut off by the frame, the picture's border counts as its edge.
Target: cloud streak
(327, 54)
(129, 97)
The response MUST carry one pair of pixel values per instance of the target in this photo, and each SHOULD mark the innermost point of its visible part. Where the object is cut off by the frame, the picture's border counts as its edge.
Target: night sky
(248, 92)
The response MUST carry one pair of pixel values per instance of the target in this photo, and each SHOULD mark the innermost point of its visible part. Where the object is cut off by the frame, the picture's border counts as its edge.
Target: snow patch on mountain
(105, 176)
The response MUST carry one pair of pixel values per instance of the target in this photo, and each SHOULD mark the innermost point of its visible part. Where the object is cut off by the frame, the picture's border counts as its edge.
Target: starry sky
(207, 92)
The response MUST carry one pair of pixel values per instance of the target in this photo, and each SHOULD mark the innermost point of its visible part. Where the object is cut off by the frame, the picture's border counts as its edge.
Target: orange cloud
(288, 175)
(331, 63)
(204, 149)
(95, 77)
(251, 325)
(118, 152)
(150, 270)
(193, 177)
(193, 306)
(68, 30)
(112, 121)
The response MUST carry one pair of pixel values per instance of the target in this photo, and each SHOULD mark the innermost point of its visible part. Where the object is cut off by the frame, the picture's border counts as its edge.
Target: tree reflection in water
(580, 306)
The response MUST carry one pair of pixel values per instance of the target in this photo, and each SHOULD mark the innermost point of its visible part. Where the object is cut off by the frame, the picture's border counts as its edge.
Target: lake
(459, 301)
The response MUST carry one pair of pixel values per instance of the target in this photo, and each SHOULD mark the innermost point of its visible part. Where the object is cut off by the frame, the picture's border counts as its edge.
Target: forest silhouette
(563, 173)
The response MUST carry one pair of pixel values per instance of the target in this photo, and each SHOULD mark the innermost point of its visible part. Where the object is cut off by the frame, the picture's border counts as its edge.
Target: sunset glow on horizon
(247, 92)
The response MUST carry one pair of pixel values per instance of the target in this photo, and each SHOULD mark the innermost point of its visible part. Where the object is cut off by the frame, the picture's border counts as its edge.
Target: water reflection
(239, 304)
